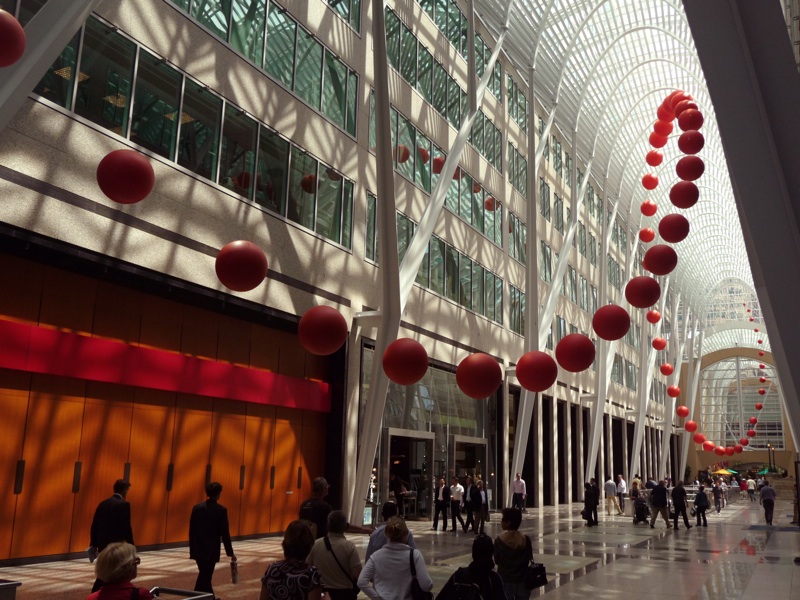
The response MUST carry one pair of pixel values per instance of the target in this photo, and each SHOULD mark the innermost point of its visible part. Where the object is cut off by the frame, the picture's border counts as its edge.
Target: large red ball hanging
(751, 433)
(661, 259)
(649, 208)
(744, 441)
(676, 98)
(762, 366)
(659, 343)
(682, 106)
(738, 448)
(653, 316)
(690, 119)
(690, 426)
(699, 438)
(647, 235)
(681, 411)
(479, 375)
(759, 406)
(708, 445)
(663, 127)
(611, 322)
(690, 168)
(761, 353)
(673, 228)
(650, 181)
(405, 361)
(760, 341)
(642, 291)
(12, 39)
(438, 164)
(729, 451)
(762, 391)
(575, 352)
(125, 176)
(657, 141)
(654, 158)
(684, 194)
(674, 391)
(322, 330)
(667, 369)
(664, 113)
(537, 371)
(753, 420)
(762, 379)
(719, 451)
(691, 142)
(241, 266)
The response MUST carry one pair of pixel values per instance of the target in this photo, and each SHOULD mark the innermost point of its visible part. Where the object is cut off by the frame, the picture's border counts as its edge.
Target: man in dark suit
(207, 526)
(112, 522)
(442, 502)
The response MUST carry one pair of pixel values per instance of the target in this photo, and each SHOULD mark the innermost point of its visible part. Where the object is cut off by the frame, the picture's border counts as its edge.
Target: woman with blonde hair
(117, 566)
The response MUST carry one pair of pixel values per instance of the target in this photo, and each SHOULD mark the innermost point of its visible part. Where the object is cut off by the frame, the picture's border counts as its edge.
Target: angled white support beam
(692, 375)
(674, 355)
(47, 34)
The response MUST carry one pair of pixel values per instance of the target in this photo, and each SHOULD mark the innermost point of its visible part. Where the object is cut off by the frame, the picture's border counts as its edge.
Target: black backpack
(464, 588)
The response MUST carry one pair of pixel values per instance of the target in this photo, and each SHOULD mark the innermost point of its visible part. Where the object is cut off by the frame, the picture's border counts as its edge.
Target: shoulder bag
(351, 593)
(535, 574)
(417, 593)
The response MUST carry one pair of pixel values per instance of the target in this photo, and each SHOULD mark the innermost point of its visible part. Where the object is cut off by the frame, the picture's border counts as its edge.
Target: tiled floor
(735, 557)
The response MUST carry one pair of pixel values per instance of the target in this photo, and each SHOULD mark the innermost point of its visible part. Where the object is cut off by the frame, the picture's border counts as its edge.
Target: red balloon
(438, 164)
(405, 361)
(681, 411)
(667, 369)
(653, 316)
(690, 168)
(762, 379)
(738, 448)
(537, 371)
(684, 194)
(241, 266)
(611, 322)
(575, 352)
(699, 438)
(12, 39)
(759, 406)
(729, 450)
(751, 433)
(744, 441)
(690, 119)
(756, 330)
(691, 142)
(690, 426)
(663, 127)
(322, 330)
(479, 375)
(654, 158)
(760, 341)
(753, 420)
(424, 155)
(762, 391)
(647, 235)
(673, 228)
(708, 445)
(682, 106)
(642, 292)
(649, 208)
(665, 113)
(678, 97)
(761, 354)
(125, 176)
(402, 153)
(719, 451)
(659, 343)
(309, 183)
(650, 181)
(674, 391)
(490, 204)
(762, 366)
(748, 310)
(752, 319)
(657, 141)
(661, 259)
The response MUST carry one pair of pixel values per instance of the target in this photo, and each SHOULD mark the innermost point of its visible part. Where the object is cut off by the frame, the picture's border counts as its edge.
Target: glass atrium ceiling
(605, 66)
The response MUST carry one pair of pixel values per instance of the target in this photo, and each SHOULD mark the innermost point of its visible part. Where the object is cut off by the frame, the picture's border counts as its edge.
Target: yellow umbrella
(722, 472)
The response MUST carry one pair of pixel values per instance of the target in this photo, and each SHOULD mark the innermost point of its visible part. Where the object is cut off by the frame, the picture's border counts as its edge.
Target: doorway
(409, 457)
(469, 460)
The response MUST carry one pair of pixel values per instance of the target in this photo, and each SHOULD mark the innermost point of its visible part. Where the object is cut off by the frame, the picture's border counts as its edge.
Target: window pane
(423, 277)
(281, 30)
(408, 61)
(437, 163)
(393, 39)
(498, 299)
(440, 17)
(58, 82)
(214, 15)
(27, 9)
(451, 274)
(453, 102)
(465, 198)
(489, 294)
(308, 79)
(465, 275)
(199, 138)
(355, 14)
(247, 28)
(371, 251)
(334, 100)
(352, 101)
(478, 275)
(107, 62)
(406, 143)
(328, 220)
(423, 174)
(273, 162)
(440, 89)
(347, 214)
(155, 105)
(238, 152)
(303, 185)
(425, 73)
(454, 25)
(437, 247)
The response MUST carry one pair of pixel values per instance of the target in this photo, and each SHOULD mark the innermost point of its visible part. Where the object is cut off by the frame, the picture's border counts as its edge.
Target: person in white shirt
(456, 502)
(519, 493)
(622, 489)
(610, 489)
(751, 489)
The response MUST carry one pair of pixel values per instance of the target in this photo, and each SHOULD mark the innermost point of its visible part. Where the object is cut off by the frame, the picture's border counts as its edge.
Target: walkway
(735, 557)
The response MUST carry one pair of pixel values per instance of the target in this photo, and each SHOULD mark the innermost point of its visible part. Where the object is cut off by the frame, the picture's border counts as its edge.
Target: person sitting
(117, 566)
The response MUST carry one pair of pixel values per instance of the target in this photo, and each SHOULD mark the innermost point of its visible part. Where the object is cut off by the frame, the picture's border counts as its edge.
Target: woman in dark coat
(591, 500)
(480, 572)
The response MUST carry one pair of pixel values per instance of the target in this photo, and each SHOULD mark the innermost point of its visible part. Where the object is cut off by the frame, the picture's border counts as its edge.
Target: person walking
(610, 489)
(679, 504)
(767, 495)
(512, 552)
(479, 507)
(716, 491)
(111, 522)
(456, 500)
(701, 505)
(591, 500)
(480, 573)
(398, 488)
(441, 502)
(377, 538)
(292, 578)
(659, 503)
(117, 565)
(519, 493)
(337, 560)
(751, 489)
(622, 489)
(468, 506)
(208, 525)
(315, 509)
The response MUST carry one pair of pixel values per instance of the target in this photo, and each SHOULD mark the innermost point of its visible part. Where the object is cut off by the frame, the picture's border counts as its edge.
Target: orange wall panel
(292, 357)
(67, 301)
(233, 345)
(312, 448)
(117, 313)
(227, 454)
(162, 322)
(259, 439)
(200, 333)
(265, 347)
(286, 496)
(22, 282)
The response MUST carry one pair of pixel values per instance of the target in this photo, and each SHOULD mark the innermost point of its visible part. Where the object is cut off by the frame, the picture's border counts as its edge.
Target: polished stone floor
(736, 557)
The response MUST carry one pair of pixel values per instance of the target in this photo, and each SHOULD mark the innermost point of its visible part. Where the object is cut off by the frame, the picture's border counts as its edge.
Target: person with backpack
(512, 553)
(478, 581)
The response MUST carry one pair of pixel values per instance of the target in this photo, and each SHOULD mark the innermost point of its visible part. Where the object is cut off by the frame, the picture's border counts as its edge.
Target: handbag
(693, 511)
(585, 514)
(353, 592)
(535, 573)
(417, 593)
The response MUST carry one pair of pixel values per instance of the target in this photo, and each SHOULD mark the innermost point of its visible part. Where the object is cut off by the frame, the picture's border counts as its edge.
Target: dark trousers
(206, 572)
(769, 507)
(592, 515)
(480, 518)
(621, 497)
(455, 512)
(701, 512)
(470, 520)
(681, 510)
(441, 507)
(517, 502)
(348, 594)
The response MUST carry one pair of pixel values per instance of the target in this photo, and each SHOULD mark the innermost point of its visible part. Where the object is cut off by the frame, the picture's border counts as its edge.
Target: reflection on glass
(273, 164)
(352, 102)
(477, 288)
(329, 206)
(214, 15)
(465, 277)
(393, 39)
(308, 74)
(347, 213)
(247, 28)
(334, 98)
(425, 73)
(199, 130)
(303, 186)
(155, 105)
(27, 9)
(405, 153)
(408, 61)
(371, 236)
(437, 247)
(238, 152)
(58, 83)
(281, 32)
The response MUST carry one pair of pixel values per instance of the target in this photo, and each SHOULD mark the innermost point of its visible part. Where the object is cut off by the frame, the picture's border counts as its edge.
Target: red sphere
(681, 411)
(458, 174)
(479, 375)
(674, 391)
(664, 113)
(729, 450)
(744, 441)
(738, 448)
(676, 98)
(753, 420)
(309, 184)
(649, 208)
(537, 371)
(762, 366)
(682, 106)
(756, 329)
(653, 316)
(690, 119)
(424, 155)
(667, 369)
(438, 164)
(611, 322)
(575, 353)
(761, 353)
(657, 141)
(752, 319)
(331, 173)
(642, 292)
(654, 158)
(12, 39)
(405, 361)
(699, 438)
(691, 142)
(719, 451)
(760, 341)
(762, 379)
(647, 235)
(751, 433)
(748, 310)
(673, 228)
(322, 330)
(490, 204)
(690, 426)
(708, 445)
(241, 266)
(663, 127)
(690, 168)
(661, 259)
(125, 176)
(403, 154)
(759, 406)
(650, 181)
(762, 391)
(476, 188)
(659, 343)
(684, 194)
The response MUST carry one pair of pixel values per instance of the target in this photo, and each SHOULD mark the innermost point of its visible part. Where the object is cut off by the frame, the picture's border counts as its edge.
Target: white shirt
(622, 487)
(518, 486)
(387, 575)
(456, 493)
(440, 496)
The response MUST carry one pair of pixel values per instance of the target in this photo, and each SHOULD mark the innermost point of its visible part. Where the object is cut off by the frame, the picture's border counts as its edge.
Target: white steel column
(675, 356)
(692, 375)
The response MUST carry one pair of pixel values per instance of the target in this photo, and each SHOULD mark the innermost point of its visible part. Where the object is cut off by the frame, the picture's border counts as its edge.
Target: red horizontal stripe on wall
(41, 350)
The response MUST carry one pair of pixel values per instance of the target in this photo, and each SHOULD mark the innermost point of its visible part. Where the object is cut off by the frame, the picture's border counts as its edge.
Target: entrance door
(409, 456)
(469, 460)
